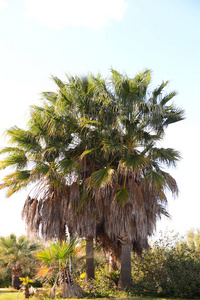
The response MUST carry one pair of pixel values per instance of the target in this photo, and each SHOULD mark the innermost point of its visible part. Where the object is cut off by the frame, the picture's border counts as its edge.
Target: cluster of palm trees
(90, 154)
(21, 256)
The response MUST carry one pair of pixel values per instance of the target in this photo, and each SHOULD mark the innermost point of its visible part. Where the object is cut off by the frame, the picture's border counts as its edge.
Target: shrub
(169, 268)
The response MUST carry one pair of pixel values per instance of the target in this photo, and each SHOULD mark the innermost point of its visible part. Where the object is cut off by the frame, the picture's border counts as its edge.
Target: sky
(41, 38)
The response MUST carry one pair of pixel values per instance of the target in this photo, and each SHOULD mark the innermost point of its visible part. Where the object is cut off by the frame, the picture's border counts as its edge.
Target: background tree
(193, 239)
(16, 254)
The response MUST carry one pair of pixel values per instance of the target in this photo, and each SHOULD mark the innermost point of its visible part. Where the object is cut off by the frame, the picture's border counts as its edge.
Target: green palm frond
(112, 145)
(84, 122)
(158, 90)
(62, 251)
(10, 150)
(67, 165)
(23, 175)
(15, 181)
(167, 156)
(163, 211)
(57, 254)
(40, 170)
(174, 115)
(135, 161)
(167, 98)
(51, 97)
(102, 176)
(122, 195)
(17, 176)
(24, 139)
(59, 82)
(45, 256)
(86, 152)
(155, 179)
(15, 159)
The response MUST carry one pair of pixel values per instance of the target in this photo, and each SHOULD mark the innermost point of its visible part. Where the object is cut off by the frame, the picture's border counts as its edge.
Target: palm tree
(16, 254)
(137, 181)
(92, 150)
(57, 258)
(135, 128)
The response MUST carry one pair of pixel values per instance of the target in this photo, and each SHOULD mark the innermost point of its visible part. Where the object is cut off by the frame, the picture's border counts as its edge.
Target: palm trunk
(70, 288)
(125, 280)
(112, 262)
(64, 282)
(26, 291)
(16, 273)
(89, 259)
(65, 293)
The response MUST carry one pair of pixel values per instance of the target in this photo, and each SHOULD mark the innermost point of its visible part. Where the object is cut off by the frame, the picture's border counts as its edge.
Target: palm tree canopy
(58, 254)
(92, 148)
(17, 250)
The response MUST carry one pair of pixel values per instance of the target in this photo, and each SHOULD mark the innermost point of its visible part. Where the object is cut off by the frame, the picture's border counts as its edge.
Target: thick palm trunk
(125, 274)
(89, 259)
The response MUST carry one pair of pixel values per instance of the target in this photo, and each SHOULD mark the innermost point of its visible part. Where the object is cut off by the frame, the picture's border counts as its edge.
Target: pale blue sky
(43, 37)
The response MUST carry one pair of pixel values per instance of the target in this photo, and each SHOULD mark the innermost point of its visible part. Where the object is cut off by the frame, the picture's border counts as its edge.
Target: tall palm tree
(92, 149)
(137, 181)
(16, 254)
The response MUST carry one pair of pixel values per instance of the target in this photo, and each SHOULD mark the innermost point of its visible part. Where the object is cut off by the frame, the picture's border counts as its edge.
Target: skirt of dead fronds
(72, 290)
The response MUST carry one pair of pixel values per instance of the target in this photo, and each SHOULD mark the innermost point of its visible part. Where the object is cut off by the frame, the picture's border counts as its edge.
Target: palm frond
(112, 145)
(122, 195)
(45, 256)
(86, 152)
(167, 156)
(67, 165)
(102, 176)
(16, 160)
(15, 181)
(24, 139)
(167, 98)
(158, 90)
(162, 211)
(135, 161)
(155, 179)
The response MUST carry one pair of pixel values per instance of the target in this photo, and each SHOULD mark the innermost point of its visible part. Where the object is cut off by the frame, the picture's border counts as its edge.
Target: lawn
(11, 296)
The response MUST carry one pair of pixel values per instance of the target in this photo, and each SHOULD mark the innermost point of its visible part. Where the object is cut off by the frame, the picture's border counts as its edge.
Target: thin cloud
(93, 14)
(3, 4)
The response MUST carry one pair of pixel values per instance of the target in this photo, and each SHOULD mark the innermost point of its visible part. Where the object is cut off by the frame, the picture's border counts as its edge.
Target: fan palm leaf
(102, 176)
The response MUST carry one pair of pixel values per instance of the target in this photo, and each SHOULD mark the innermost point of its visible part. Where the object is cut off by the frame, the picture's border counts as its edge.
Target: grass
(11, 296)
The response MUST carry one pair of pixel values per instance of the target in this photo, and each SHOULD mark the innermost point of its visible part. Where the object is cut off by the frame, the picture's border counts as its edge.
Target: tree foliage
(170, 268)
(16, 256)
(93, 146)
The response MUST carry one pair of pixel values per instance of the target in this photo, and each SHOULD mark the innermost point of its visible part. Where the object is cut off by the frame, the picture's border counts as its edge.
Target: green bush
(104, 285)
(170, 268)
(5, 278)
